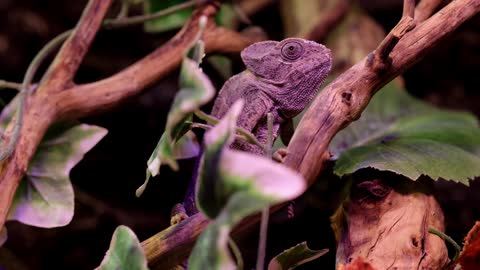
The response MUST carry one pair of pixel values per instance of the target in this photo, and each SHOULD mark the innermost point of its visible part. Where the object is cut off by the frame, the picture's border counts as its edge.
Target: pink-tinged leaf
(45, 195)
(125, 252)
(187, 146)
(224, 132)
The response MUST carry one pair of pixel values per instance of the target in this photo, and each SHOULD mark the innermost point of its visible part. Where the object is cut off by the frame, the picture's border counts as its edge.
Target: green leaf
(44, 198)
(125, 252)
(401, 134)
(168, 22)
(294, 257)
(222, 64)
(211, 251)
(225, 16)
(196, 90)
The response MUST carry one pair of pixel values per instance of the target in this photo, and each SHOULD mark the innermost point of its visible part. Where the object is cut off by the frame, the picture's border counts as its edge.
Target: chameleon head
(297, 67)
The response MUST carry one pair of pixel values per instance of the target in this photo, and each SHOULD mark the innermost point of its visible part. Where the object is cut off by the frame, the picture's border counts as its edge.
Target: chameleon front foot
(280, 155)
(178, 214)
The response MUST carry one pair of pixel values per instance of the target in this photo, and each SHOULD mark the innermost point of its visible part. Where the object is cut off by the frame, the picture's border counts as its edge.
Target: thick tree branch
(340, 103)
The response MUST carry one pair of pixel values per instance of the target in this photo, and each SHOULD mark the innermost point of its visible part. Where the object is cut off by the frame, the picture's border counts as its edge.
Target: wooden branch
(40, 111)
(54, 101)
(380, 58)
(326, 23)
(343, 100)
(65, 65)
(340, 103)
(109, 92)
(425, 8)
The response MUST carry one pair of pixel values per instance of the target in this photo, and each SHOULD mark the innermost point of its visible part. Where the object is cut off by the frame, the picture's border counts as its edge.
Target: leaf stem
(262, 243)
(236, 253)
(213, 120)
(447, 239)
(10, 85)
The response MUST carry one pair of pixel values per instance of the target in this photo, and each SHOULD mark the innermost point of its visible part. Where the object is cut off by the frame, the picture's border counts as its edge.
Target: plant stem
(248, 136)
(236, 253)
(122, 22)
(262, 243)
(447, 239)
(10, 85)
(27, 81)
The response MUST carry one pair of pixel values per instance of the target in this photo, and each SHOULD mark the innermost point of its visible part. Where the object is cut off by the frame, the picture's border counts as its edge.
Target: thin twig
(24, 91)
(449, 240)
(236, 253)
(10, 85)
(379, 61)
(425, 8)
(213, 120)
(129, 21)
(262, 243)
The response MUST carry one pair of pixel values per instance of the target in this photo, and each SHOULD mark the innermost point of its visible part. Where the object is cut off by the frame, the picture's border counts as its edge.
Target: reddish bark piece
(470, 257)
(357, 264)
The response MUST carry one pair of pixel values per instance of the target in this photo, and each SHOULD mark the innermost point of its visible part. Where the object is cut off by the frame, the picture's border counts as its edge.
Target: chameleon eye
(292, 50)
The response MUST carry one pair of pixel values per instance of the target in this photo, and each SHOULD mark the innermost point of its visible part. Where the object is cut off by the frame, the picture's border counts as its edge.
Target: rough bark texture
(386, 223)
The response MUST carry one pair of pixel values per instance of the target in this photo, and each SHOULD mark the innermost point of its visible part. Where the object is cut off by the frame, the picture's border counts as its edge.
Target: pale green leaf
(211, 249)
(125, 252)
(294, 257)
(216, 140)
(168, 22)
(44, 198)
(225, 16)
(196, 89)
(401, 134)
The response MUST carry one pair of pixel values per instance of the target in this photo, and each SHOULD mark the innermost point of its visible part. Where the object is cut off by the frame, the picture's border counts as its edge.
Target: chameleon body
(281, 78)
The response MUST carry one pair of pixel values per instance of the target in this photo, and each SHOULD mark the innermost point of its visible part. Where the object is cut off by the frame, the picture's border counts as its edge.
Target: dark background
(106, 179)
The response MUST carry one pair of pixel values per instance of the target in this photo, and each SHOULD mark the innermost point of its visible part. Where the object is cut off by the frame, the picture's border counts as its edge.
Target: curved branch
(99, 96)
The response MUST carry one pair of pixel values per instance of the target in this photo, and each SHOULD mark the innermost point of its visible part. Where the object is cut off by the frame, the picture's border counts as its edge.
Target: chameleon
(281, 78)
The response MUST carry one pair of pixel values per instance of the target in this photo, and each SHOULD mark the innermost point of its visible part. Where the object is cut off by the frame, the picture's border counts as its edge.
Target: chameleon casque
(281, 78)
